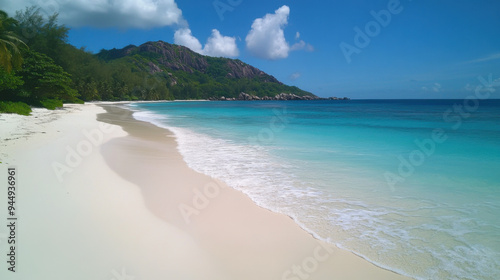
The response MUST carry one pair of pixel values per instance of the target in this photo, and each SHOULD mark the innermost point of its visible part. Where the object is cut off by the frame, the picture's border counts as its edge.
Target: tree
(43, 35)
(8, 81)
(10, 53)
(43, 79)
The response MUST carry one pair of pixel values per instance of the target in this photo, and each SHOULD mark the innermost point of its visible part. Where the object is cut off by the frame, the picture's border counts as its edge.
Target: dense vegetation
(30, 69)
(40, 68)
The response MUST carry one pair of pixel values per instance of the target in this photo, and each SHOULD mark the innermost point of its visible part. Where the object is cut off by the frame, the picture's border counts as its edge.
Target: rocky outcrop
(238, 69)
(249, 97)
(153, 68)
(177, 57)
(174, 57)
(291, 96)
(282, 96)
(245, 96)
(337, 98)
(223, 98)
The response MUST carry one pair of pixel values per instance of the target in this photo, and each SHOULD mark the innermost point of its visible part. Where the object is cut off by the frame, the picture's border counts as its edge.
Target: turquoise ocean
(412, 186)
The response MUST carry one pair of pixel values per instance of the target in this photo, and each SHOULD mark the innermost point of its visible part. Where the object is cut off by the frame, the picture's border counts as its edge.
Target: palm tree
(10, 54)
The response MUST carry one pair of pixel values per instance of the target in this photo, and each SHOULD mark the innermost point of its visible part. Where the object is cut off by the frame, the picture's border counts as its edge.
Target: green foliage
(43, 79)
(15, 107)
(10, 44)
(52, 104)
(217, 67)
(42, 35)
(9, 81)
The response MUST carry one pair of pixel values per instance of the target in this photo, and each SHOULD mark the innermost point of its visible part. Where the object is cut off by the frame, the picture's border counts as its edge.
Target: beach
(104, 196)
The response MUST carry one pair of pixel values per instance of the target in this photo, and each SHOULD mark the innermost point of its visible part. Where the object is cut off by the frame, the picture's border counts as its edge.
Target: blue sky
(426, 49)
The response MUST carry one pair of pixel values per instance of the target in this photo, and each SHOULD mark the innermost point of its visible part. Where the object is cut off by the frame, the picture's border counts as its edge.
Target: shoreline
(353, 259)
(120, 209)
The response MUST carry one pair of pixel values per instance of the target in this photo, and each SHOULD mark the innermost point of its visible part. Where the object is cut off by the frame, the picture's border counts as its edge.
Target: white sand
(93, 224)
(116, 214)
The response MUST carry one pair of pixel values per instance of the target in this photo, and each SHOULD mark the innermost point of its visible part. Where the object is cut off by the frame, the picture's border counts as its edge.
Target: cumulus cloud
(301, 45)
(184, 37)
(99, 13)
(266, 38)
(217, 45)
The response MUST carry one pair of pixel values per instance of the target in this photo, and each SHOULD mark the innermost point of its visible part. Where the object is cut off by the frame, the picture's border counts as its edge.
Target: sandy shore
(113, 199)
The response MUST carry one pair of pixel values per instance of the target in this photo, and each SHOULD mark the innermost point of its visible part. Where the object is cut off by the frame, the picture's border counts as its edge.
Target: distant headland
(281, 96)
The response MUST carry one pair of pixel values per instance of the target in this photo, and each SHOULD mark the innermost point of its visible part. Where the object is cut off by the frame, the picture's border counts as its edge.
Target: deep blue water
(411, 185)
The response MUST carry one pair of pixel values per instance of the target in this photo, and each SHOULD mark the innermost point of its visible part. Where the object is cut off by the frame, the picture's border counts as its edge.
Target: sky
(363, 49)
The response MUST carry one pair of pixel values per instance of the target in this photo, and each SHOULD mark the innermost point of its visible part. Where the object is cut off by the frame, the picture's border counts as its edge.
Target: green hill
(189, 75)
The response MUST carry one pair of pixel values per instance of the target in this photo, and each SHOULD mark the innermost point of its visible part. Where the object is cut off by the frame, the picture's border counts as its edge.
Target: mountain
(189, 75)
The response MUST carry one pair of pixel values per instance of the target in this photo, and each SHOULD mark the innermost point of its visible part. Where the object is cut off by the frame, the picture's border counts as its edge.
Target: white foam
(399, 234)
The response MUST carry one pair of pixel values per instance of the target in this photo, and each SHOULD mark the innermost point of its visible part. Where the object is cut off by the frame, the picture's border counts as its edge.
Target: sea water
(412, 186)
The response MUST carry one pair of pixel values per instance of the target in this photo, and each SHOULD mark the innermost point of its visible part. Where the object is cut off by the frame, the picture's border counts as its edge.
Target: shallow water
(411, 185)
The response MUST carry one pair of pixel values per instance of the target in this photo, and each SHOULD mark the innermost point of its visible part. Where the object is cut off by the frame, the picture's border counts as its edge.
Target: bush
(15, 107)
(52, 104)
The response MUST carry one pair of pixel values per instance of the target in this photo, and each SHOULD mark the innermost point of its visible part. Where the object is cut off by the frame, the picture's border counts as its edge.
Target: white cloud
(301, 45)
(101, 13)
(217, 45)
(184, 37)
(266, 38)
(295, 76)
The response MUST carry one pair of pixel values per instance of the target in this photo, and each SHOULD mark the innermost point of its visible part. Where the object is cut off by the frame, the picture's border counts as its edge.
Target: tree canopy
(10, 44)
